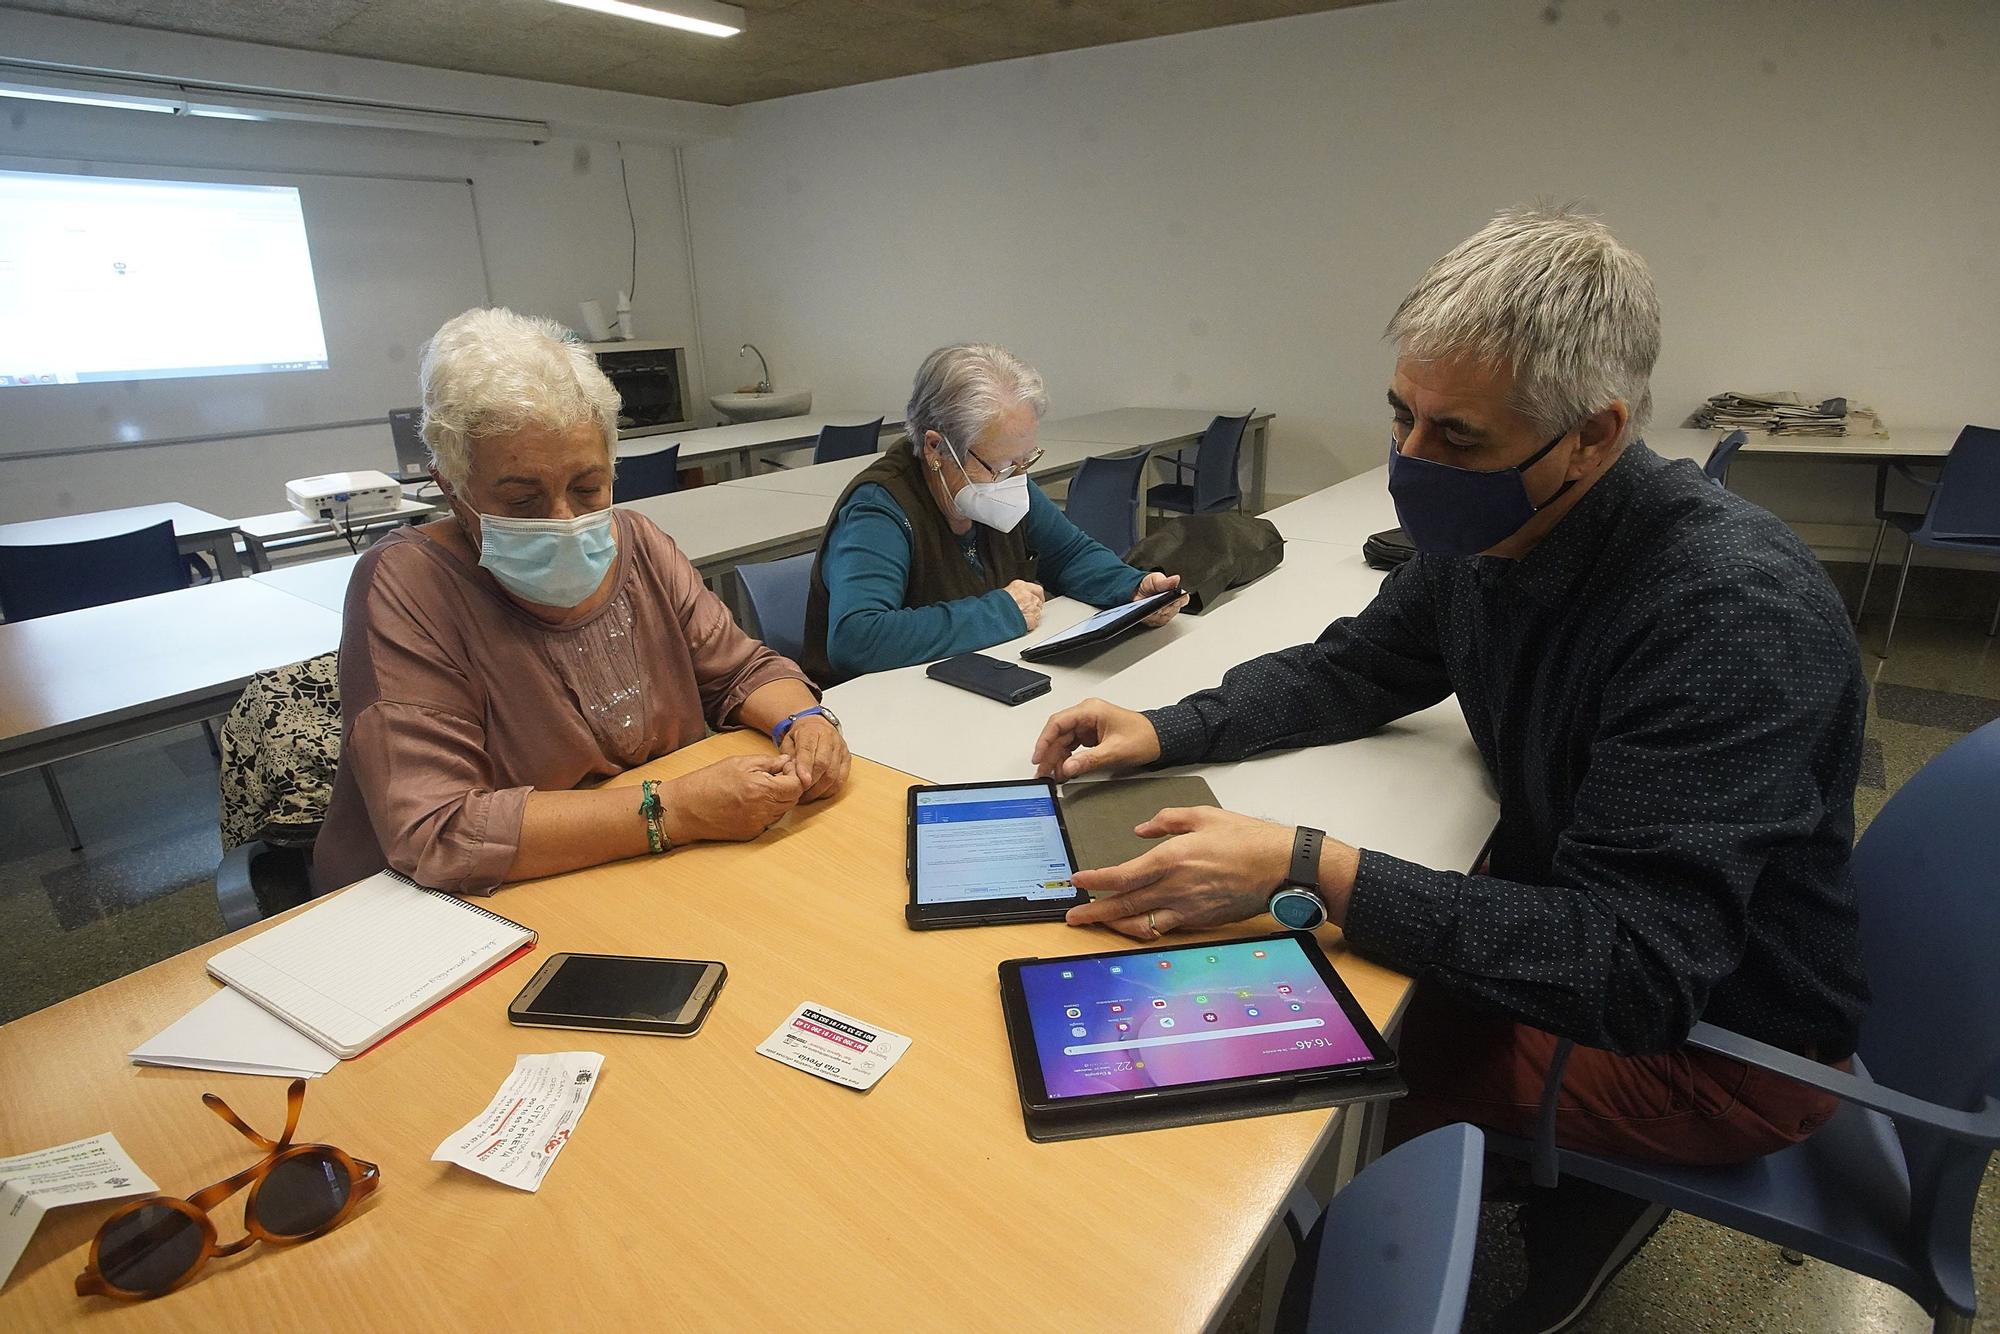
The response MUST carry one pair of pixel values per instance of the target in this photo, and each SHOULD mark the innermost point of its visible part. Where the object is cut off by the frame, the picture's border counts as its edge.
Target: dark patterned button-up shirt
(1669, 698)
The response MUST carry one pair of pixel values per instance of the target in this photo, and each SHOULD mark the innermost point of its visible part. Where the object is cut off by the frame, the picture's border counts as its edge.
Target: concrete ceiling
(787, 46)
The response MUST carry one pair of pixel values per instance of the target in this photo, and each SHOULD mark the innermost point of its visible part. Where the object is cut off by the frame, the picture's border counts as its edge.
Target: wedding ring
(1152, 925)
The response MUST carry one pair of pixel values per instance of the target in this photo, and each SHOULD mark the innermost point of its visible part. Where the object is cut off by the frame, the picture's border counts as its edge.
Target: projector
(344, 495)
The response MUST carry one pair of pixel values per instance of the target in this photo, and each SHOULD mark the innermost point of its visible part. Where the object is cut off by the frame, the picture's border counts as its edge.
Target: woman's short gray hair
(1551, 293)
(962, 388)
(494, 372)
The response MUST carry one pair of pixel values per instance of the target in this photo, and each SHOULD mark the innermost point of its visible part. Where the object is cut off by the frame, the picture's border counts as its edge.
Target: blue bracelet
(778, 732)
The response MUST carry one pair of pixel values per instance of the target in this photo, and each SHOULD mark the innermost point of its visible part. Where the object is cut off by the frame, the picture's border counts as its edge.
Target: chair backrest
(65, 576)
(1924, 877)
(280, 750)
(1717, 467)
(846, 442)
(778, 591)
(1215, 483)
(1104, 500)
(1392, 1254)
(1967, 504)
(406, 428)
(642, 475)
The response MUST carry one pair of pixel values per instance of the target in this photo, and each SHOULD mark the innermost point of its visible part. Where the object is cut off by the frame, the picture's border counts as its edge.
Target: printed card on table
(835, 1046)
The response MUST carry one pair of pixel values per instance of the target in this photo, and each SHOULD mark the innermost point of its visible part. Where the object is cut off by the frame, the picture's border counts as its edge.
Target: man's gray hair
(1551, 293)
(494, 372)
(962, 388)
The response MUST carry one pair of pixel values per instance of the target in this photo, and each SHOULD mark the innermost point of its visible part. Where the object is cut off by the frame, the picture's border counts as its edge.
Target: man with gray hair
(1665, 689)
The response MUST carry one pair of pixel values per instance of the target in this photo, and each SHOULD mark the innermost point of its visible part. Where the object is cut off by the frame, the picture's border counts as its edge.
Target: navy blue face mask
(1449, 511)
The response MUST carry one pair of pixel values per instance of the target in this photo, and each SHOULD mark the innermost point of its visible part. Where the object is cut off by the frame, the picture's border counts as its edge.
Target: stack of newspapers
(1784, 413)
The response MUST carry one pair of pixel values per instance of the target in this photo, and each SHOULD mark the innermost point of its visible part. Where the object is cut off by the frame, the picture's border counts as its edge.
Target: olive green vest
(939, 571)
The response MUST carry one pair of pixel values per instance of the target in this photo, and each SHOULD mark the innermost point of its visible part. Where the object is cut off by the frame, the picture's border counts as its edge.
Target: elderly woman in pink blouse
(497, 663)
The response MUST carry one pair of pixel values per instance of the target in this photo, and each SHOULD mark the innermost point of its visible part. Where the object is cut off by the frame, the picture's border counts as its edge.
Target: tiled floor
(143, 889)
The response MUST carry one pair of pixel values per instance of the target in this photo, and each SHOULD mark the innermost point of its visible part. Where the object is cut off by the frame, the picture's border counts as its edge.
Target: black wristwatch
(1296, 903)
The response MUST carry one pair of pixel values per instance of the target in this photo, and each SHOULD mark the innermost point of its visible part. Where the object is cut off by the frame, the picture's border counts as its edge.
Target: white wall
(552, 217)
(1229, 217)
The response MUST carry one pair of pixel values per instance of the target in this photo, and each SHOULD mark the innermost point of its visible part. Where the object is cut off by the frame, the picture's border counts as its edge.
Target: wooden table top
(706, 1187)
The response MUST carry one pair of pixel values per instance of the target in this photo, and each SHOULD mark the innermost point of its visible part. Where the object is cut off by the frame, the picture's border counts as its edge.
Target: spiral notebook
(362, 963)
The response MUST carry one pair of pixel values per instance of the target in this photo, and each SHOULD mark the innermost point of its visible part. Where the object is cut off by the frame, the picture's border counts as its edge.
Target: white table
(1916, 444)
(1060, 459)
(289, 528)
(194, 530)
(966, 738)
(320, 582)
(719, 527)
(1165, 429)
(83, 680)
(740, 445)
(1345, 513)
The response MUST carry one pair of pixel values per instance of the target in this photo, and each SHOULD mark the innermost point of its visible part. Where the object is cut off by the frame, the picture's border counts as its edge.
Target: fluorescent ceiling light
(702, 16)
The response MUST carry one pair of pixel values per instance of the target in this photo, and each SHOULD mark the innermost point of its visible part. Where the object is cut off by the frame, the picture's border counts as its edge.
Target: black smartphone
(620, 993)
(1008, 682)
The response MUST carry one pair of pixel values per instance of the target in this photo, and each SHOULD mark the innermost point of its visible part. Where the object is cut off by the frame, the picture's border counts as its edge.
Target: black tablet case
(1096, 640)
(1100, 816)
(1128, 1118)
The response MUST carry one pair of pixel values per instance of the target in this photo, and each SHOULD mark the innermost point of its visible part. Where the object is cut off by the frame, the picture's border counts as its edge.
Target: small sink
(762, 407)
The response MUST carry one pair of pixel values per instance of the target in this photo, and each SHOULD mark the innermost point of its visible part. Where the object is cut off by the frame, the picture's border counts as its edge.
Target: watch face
(1297, 910)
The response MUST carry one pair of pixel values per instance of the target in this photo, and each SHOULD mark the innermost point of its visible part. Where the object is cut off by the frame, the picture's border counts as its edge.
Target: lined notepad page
(367, 960)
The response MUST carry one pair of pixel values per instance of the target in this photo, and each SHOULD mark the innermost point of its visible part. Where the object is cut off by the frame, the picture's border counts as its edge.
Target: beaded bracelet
(649, 806)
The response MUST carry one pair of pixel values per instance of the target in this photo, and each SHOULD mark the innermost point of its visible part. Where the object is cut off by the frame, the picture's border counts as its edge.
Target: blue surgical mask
(550, 562)
(1450, 511)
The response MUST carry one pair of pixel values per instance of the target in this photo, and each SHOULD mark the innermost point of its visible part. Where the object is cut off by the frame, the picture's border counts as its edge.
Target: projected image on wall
(104, 278)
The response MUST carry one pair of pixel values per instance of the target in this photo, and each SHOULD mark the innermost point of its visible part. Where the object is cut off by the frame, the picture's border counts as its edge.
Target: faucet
(763, 385)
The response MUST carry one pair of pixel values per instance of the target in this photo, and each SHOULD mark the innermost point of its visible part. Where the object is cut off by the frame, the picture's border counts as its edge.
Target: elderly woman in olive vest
(945, 546)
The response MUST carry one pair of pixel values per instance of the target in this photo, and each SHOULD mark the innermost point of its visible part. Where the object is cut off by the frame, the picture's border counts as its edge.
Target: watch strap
(1305, 858)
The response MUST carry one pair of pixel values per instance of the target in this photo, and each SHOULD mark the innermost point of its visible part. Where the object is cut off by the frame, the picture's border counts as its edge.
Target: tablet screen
(1134, 610)
(1000, 841)
(1164, 1019)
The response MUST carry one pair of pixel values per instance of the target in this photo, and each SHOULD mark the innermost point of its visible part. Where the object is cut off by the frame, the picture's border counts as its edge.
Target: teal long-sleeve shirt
(866, 569)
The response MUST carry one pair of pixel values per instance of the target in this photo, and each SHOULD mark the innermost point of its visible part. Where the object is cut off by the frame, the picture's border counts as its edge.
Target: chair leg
(62, 807)
(1909, 552)
(1996, 621)
(214, 746)
(1881, 530)
(1949, 1321)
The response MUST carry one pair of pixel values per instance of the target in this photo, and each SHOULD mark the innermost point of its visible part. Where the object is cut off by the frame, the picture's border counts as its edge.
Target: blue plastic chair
(1964, 514)
(1887, 1187)
(69, 576)
(1104, 499)
(643, 475)
(57, 577)
(846, 442)
(1215, 487)
(1717, 467)
(1392, 1254)
(778, 591)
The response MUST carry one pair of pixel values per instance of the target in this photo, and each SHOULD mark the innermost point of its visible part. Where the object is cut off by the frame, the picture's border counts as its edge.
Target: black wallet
(1008, 682)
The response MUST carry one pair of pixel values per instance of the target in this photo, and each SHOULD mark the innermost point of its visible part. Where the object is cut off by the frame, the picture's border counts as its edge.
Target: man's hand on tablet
(1221, 868)
(1094, 735)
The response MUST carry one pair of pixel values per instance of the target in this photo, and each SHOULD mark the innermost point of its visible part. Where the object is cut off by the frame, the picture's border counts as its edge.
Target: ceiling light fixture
(702, 16)
(89, 91)
(83, 88)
